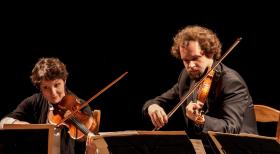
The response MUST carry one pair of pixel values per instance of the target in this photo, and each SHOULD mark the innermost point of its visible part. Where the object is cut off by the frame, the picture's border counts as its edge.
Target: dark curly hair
(206, 38)
(48, 69)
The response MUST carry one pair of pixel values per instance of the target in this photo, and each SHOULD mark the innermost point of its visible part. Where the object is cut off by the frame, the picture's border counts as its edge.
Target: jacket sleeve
(230, 107)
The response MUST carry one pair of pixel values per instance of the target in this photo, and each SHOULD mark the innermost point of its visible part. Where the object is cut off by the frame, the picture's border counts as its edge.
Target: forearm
(7, 120)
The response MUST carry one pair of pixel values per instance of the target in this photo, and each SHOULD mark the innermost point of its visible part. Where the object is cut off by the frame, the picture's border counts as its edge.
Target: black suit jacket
(229, 107)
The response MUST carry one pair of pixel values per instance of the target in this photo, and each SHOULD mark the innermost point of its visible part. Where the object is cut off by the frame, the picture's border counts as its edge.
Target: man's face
(194, 59)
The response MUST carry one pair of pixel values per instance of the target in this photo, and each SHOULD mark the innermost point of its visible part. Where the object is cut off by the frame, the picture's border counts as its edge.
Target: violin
(79, 124)
(67, 112)
(204, 88)
(202, 94)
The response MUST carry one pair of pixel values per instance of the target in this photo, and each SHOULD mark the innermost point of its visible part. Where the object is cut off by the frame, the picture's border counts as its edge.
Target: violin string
(79, 125)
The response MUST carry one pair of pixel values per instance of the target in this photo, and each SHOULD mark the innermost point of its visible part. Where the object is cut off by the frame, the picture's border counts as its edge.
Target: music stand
(243, 143)
(148, 142)
(29, 138)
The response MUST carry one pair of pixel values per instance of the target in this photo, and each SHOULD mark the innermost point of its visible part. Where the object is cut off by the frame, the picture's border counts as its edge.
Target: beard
(196, 75)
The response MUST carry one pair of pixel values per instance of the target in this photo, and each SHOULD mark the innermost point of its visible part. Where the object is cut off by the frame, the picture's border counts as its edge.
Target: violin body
(202, 95)
(204, 88)
(79, 125)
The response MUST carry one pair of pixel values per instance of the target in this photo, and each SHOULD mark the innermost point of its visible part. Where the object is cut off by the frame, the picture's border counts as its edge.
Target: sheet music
(198, 146)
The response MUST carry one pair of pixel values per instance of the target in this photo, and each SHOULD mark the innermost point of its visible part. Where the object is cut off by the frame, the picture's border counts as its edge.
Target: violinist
(49, 75)
(227, 105)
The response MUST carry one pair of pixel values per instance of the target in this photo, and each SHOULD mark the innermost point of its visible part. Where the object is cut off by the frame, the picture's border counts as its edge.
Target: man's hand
(192, 110)
(157, 115)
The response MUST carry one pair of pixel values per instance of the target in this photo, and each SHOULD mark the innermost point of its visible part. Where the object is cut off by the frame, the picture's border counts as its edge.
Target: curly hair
(48, 69)
(206, 38)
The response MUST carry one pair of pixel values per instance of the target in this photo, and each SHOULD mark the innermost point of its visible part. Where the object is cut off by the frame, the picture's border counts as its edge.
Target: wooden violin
(68, 112)
(79, 125)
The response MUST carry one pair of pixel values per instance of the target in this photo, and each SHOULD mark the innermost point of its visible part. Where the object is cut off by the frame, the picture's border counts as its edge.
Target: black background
(99, 42)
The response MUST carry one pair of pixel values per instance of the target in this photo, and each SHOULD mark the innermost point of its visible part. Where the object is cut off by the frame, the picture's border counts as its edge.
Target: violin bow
(93, 97)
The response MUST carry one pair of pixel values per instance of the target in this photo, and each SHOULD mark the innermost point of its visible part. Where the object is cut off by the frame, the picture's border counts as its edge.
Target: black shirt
(34, 109)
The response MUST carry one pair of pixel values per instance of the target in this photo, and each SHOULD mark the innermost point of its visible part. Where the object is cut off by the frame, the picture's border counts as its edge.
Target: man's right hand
(157, 115)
